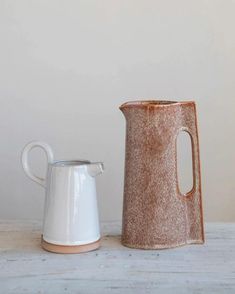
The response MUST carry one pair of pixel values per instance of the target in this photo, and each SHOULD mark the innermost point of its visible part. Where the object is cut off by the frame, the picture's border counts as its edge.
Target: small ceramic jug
(155, 213)
(71, 223)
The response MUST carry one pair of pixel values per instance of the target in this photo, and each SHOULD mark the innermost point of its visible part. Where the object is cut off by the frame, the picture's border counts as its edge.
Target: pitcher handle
(193, 199)
(25, 160)
(190, 126)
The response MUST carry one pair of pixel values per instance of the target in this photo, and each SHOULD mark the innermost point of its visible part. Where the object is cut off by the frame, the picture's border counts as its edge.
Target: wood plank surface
(26, 268)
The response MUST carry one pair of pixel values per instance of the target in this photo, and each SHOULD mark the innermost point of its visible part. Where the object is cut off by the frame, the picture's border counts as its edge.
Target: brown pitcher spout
(124, 109)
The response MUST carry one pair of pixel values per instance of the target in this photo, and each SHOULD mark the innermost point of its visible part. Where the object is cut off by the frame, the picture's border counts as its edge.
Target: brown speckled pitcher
(155, 213)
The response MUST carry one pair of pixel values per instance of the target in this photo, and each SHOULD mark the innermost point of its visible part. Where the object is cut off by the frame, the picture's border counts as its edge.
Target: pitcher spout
(124, 108)
(95, 169)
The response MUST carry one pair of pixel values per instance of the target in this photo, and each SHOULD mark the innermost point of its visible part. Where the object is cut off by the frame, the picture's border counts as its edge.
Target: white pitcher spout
(95, 169)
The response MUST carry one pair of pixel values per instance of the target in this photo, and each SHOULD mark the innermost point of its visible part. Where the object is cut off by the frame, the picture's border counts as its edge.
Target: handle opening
(185, 168)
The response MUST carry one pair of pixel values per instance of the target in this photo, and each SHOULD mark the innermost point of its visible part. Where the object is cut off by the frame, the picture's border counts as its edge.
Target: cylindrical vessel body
(155, 214)
(71, 213)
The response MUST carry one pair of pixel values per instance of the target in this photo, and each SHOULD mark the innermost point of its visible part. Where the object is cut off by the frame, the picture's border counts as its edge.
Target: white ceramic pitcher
(71, 223)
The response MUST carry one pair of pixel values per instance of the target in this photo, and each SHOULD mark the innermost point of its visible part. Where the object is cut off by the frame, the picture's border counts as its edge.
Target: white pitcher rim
(70, 162)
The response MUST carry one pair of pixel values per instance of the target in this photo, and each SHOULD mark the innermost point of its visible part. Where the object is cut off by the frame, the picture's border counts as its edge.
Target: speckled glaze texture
(155, 214)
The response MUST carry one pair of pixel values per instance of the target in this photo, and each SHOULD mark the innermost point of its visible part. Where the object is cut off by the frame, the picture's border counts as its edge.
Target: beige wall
(66, 66)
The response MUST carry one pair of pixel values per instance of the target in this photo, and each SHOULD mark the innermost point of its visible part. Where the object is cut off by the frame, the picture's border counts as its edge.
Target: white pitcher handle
(25, 160)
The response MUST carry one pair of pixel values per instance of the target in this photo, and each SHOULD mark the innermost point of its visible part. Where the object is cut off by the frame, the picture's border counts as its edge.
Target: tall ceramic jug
(70, 223)
(155, 213)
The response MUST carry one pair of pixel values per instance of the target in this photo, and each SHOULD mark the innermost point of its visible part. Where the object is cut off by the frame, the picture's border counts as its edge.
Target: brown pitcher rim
(154, 103)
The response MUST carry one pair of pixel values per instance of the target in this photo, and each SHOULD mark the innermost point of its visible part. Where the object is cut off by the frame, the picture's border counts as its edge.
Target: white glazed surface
(71, 212)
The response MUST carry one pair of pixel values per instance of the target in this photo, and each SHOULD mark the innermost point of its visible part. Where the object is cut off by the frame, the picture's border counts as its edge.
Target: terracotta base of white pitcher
(70, 249)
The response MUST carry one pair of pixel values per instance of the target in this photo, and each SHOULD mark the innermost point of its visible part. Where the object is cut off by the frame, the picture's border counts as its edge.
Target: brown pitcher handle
(192, 199)
(189, 125)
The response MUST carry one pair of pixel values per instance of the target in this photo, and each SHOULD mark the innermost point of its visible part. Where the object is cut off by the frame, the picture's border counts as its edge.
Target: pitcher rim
(154, 103)
(69, 162)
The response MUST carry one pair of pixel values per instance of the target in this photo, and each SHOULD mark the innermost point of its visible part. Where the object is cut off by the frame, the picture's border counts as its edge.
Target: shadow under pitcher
(156, 214)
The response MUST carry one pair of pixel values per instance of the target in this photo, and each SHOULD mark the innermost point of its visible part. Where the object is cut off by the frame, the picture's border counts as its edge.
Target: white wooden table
(26, 268)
